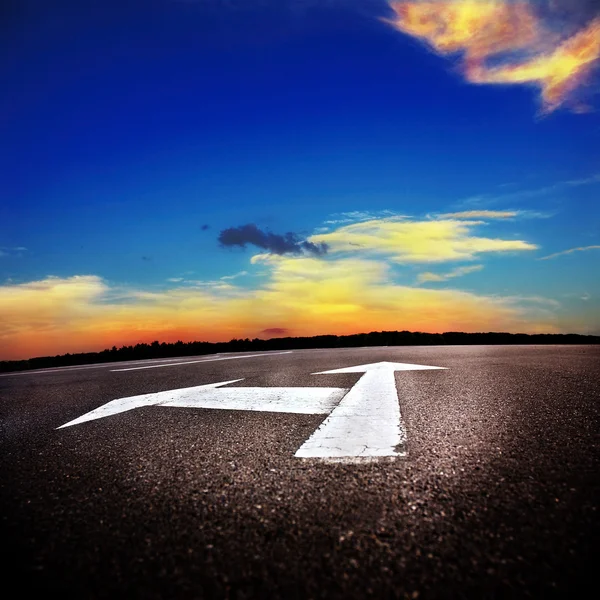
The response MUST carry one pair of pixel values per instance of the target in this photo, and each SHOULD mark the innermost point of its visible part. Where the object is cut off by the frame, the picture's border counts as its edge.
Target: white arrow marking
(302, 400)
(366, 424)
(202, 360)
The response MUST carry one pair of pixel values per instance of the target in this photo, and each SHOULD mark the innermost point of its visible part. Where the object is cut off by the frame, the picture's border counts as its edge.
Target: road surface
(493, 494)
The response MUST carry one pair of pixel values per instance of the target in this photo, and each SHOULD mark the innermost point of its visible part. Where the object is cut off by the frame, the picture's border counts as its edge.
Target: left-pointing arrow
(124, 404)
(302, 400)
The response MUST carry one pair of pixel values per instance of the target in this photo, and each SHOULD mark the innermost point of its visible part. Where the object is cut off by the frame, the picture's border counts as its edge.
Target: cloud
(407, 241)
(276, 331)
(234, 276)
(570, 251)
(354, 216)
(81, 313)
(305, 294)
(288, 243)
(584, 181)
(547, 44)
(353, 294)
(459, 272)
(12, 251)
(46, 310)
(481, 214)
(350, 290)
(489, 199)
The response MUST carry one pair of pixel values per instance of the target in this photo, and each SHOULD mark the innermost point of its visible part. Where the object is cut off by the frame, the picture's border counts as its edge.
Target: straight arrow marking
(366, 425)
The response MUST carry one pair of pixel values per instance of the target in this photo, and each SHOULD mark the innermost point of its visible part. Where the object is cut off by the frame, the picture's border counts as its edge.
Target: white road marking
(301, 400)
(94, 366)
(191, 362)
(366, 425)
(101, 365)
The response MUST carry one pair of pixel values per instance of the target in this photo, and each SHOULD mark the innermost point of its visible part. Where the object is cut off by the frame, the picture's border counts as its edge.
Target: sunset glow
(209, 171)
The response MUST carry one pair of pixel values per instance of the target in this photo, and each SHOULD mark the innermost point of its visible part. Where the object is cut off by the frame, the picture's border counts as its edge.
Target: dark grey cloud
(289, 243)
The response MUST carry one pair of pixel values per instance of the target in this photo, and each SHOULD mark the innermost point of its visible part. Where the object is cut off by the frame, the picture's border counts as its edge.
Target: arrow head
(380, 366)
(125, 404)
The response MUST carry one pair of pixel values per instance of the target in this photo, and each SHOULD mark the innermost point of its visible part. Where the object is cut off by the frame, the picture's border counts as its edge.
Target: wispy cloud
(481, 214)
(355, 216)
(12, 251)
(536, 300)
(570, 251)
(216, 286)
(234, 276)
(584, 180)
(519, 195)
(506, 42)
(458, 272)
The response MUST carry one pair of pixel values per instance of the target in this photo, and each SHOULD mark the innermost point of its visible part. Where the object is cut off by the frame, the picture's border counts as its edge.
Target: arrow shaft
(365, 425)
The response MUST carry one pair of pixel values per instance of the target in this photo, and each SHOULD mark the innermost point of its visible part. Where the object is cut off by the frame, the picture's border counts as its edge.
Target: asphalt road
(497, 496)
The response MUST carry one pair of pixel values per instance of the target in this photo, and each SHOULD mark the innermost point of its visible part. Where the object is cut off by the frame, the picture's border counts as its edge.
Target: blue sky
(133, 134)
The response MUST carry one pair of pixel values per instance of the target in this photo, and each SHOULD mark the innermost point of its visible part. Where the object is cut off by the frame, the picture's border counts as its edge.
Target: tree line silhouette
(375, 338)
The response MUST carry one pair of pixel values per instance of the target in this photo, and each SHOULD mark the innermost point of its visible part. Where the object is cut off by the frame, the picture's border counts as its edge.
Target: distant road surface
(484, 484)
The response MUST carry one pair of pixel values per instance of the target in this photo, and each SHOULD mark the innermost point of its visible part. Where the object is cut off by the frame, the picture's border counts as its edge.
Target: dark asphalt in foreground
(498, 496)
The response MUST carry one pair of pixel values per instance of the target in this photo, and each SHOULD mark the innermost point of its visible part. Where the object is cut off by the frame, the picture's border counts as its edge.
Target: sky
(217, 169)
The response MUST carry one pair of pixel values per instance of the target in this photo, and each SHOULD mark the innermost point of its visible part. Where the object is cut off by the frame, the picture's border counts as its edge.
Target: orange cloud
(84, 313)
(504, 42)
(304, 295)
(350, 290)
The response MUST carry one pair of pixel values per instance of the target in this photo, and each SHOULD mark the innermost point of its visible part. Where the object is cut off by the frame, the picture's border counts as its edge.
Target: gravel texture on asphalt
(497, 497)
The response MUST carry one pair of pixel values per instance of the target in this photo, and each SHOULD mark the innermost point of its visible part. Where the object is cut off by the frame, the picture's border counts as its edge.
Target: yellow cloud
(75, 314)
(407, 241)
(304, 295)
(459, 272)
(36, 304)
(509, 34)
